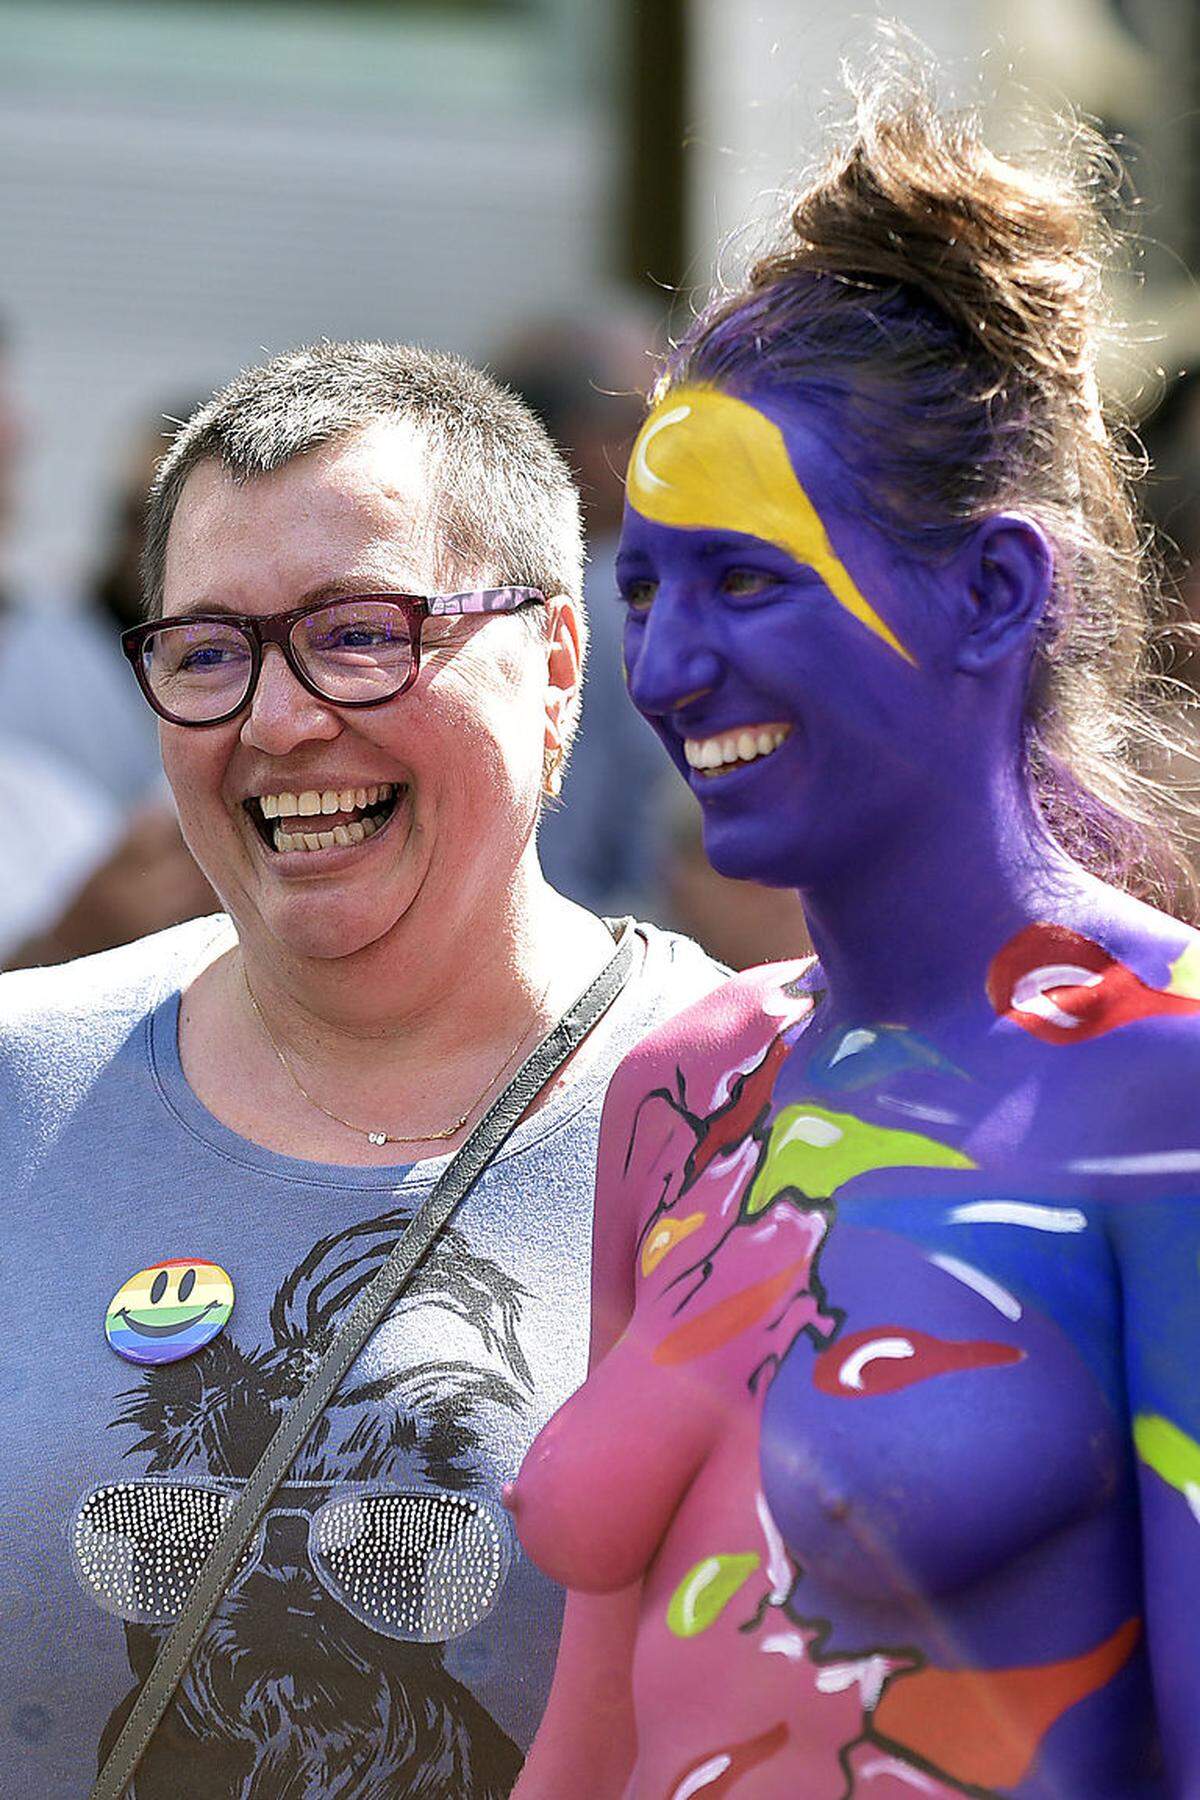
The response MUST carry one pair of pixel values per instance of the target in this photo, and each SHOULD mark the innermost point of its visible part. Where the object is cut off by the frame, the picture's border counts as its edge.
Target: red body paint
(726, 1129)
(742, 1757)
(848, 1370)
(1105, 995)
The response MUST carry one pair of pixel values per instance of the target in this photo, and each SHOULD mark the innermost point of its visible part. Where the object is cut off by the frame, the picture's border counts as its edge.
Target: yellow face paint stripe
(704, 460)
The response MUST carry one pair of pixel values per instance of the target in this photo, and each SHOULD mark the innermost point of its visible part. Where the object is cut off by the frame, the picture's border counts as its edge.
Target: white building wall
(765, 75)
(180, 196)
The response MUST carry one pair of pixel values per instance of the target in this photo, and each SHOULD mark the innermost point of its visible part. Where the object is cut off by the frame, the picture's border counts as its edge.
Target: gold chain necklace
(388, 1137)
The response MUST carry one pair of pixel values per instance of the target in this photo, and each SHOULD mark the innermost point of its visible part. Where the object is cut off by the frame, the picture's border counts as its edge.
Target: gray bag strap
(456, 1182)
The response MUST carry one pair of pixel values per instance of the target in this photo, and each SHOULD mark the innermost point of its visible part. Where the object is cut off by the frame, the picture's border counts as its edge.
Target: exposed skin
(890, 1247)
(360, 957)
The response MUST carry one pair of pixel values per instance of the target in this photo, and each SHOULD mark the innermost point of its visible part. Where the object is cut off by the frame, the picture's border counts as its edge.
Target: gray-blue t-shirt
(314, 1680)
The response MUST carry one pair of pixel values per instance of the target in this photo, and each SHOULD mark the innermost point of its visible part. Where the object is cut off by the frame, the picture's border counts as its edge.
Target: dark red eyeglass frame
(277, 628)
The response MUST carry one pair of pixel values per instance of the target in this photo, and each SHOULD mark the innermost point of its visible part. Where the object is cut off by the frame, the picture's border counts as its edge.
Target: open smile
(327, 819)
(713, 757)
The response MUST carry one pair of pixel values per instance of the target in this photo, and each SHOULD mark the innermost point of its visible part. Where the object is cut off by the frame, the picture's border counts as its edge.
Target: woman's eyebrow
(340, 588)
(204, 606)
(712, 544)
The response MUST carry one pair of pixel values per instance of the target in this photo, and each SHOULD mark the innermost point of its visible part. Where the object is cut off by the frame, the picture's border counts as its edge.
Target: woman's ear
(1007, 572)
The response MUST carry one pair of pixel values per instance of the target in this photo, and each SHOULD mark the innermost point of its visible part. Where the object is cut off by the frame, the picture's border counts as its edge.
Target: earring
(552, 774)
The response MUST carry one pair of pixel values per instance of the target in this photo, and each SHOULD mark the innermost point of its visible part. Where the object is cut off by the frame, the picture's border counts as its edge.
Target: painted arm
(1158, 1245)
(605, 1476)
(588, 1723)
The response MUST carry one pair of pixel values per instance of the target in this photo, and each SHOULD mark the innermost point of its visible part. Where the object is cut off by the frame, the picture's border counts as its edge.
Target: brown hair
(947, 304)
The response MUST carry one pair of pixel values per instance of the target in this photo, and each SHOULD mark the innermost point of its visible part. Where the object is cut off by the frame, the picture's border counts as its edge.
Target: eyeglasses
(421, 1566)
(203, 668)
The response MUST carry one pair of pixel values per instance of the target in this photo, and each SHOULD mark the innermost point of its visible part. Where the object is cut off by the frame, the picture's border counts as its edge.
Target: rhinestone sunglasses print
(421, 1566)
(169, 1311)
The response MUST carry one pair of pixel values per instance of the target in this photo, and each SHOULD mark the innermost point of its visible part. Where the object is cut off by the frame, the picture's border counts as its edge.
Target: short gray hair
(503, 505)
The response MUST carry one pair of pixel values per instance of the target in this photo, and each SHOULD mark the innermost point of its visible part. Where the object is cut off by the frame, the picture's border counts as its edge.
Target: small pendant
(377, 1137)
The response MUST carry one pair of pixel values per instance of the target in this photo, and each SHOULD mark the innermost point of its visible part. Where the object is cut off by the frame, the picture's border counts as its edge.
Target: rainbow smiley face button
(169, 1311)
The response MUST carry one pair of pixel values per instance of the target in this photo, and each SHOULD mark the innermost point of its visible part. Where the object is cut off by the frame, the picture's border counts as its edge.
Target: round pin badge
(169, 1311)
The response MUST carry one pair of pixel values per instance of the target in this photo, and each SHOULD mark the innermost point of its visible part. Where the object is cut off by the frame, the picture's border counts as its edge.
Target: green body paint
(817, 1151)
(1170, 1452)
(706, 1591)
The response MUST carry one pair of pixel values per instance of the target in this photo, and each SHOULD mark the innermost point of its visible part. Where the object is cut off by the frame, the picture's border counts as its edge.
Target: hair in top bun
(945, 307)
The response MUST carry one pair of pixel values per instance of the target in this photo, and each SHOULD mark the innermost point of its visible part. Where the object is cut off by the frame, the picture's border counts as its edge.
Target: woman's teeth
(354, 833)
(329, 802)
(745, 745)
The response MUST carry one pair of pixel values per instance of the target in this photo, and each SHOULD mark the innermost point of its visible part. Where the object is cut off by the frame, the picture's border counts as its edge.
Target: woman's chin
(753, 850)
(327, 927)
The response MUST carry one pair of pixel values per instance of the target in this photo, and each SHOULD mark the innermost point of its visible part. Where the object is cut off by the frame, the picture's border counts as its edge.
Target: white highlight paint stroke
(1158, 1162)
(971, 1277)
(893, 1348)
(869, 1673)
(702, 1777)
(933, 1115)
(1019, 1212)
(645, 474)
(819, 1133)
(852, 1043)
(701, 1578)
(887, 1765)
(1031, 993)
(779, 1567)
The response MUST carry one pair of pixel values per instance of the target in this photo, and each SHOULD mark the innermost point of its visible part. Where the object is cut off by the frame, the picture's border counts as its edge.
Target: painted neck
(907, 933)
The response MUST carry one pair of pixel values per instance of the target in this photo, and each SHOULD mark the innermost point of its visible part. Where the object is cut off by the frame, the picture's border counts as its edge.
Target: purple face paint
(798, 680)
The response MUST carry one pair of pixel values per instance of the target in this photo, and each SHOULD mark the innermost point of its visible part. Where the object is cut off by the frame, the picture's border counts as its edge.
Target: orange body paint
(726, 1319)
(984, 1726)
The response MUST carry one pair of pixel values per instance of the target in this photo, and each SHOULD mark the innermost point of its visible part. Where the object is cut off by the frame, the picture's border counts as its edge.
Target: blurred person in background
(585, 378)
(1171, 436)
(272, 1094)
(61, 828)
(84, 716)
(86, 876)
(98, 857)
(113, 597)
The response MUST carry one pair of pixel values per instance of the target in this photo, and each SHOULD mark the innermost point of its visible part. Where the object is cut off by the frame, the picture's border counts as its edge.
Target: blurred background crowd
(542, 185)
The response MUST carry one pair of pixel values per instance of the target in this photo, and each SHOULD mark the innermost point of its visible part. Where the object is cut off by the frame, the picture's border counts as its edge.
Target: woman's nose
(282, 712)
(668, 662)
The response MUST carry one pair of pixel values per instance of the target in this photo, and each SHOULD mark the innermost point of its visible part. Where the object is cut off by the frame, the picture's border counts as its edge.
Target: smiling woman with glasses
(363, 643)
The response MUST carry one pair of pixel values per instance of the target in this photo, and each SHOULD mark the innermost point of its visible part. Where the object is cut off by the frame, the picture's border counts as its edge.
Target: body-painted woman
(886, 1481)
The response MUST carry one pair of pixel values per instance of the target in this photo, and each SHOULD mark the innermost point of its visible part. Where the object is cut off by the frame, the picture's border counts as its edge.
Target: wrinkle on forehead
(705, 460)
